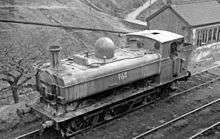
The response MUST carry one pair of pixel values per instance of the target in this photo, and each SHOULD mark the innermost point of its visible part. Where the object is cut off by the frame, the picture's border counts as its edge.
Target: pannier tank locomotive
(156, 57)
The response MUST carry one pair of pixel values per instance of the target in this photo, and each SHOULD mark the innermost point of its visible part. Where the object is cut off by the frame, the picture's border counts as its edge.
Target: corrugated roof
(197, 14)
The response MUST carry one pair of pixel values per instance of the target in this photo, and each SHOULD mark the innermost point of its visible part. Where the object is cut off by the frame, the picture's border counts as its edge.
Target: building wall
(206, 35)
(168, 20)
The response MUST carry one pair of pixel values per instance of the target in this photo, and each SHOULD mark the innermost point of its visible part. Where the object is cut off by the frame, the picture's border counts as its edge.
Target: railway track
(208, 132)
(173, 121)
(197, 80)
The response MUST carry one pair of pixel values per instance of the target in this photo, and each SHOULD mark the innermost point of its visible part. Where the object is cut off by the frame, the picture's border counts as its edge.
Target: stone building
(198, 22)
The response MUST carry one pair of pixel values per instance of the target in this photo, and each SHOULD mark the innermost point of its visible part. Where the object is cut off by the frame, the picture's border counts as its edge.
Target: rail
(205, 130)
(29, 135)
(175, 119)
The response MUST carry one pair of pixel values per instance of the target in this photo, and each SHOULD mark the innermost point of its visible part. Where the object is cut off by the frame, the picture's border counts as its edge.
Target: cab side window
(134, 42)
(157, 45)
(173, 49)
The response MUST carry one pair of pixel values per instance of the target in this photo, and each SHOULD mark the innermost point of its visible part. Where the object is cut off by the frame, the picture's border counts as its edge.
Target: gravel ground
(20, 130)
(189, 126)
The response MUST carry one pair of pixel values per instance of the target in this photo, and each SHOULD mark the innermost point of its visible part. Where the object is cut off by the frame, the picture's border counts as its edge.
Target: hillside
(117, 8)
(80, 13)
(65, 12)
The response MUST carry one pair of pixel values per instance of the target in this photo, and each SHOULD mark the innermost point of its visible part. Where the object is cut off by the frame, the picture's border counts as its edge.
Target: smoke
(206, 52)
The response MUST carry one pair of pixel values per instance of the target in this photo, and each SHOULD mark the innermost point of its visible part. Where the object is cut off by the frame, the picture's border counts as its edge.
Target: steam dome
(104, 48)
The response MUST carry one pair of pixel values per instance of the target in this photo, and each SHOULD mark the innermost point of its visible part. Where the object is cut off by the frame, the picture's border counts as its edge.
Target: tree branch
(7, 80)
(18, 77)
(24, 81)
(29, 86)
(6, 73)
(5, 88)
(19, 61)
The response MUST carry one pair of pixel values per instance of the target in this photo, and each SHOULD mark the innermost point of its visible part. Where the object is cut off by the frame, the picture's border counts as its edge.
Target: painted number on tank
(122, 76)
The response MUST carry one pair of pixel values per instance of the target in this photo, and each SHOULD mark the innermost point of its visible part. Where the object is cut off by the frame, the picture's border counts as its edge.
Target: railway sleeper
(200, 79)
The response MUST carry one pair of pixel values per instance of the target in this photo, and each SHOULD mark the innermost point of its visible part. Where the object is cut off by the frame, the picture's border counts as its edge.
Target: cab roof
(161, 36)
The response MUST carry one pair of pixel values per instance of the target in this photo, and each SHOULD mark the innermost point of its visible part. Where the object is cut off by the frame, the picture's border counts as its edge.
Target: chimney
(55, 51)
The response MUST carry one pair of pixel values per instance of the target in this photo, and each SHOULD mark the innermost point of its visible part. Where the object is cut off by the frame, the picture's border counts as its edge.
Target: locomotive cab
(170, 46)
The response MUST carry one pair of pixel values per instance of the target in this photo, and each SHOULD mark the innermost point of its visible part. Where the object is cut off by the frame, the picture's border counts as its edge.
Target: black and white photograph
(109, 69)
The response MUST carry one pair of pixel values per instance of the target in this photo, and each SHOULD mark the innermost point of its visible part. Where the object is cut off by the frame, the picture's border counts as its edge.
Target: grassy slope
(118, 8)
(66, 12)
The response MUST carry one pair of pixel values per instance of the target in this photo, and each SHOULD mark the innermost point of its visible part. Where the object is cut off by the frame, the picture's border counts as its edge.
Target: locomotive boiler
(153, 55)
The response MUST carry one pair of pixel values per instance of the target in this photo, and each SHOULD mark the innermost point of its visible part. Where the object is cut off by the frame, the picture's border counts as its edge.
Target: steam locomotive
(157, 56)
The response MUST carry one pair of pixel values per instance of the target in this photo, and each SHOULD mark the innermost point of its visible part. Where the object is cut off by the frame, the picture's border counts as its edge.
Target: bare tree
(15, 68)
